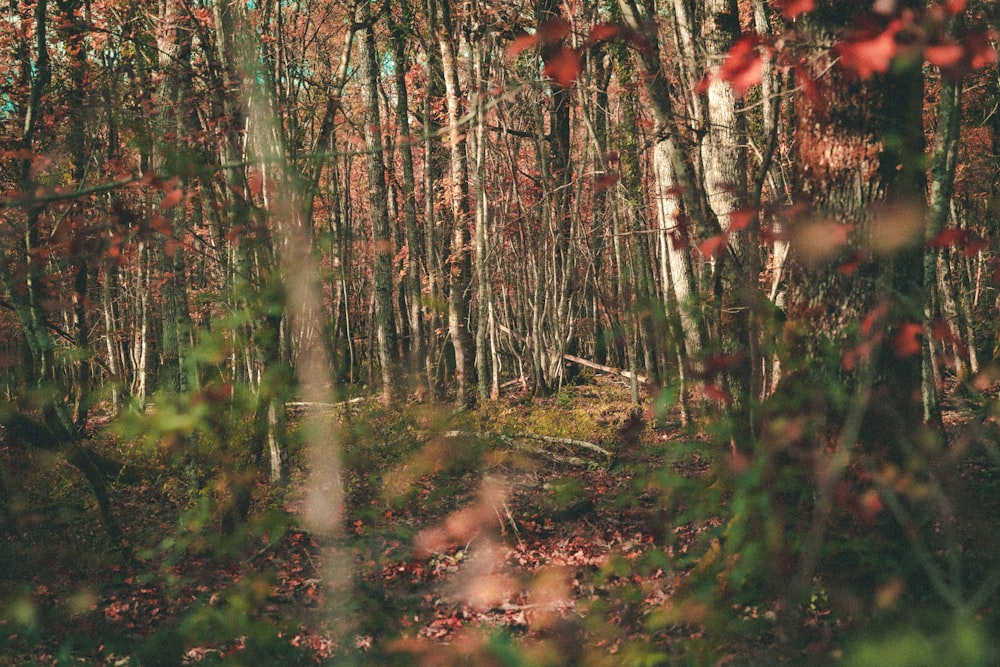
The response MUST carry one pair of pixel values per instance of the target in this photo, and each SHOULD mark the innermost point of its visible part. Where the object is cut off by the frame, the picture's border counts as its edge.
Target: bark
(902, 169)
(382, 247)
(723, 146)
(174, 44)
(401, 33)
(626, 220)
(674, 187)
(937, 270)
(486, 369)
(459, 262)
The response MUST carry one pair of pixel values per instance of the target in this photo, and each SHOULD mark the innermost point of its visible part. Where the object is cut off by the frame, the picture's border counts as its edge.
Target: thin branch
(56, 196)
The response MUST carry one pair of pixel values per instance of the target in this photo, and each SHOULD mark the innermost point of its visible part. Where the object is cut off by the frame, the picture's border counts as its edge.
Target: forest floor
(458, 549)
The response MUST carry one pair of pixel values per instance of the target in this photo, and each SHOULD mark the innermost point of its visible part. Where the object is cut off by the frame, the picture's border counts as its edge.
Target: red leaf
(873, 317)
(604, 32)
(954, 6)
(605, 181)
(713, 245)
(521, 43)
(720, 362)
(944, 55)
(743, 66)
(809, 88)
(906, 342)
(718, 393)
(974, 246)
(563, 66)
(942, 332)
(947, 237)
(172, 198)
(860, 354)
(870, 51)
(851, 266)
(870, 505)
(770, 236)
(702, 86)
(792, 8)
(741, 219)
(552, 31)
(979, 49)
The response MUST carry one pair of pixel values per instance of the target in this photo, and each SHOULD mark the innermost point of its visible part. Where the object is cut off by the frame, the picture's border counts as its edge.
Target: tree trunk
(385, 326)
(414, 250)
(174, 45)
(459, 263)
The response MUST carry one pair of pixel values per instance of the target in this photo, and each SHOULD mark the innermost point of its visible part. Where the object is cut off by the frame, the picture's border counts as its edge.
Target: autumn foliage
(432, 333)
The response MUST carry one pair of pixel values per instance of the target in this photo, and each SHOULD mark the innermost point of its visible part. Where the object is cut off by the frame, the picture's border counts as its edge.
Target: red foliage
(553, 31)
(713, 245)
(947, 237)
(944, 55)
(521, 43)
(953, 7)
(604, 32)
(906, 342)
(563, 66)
(792, 8)
(717, 393)
(943, 333)
(172, 198)
(874, 317)
(977, 52)
(741, 219)
(605, 181)
(870, 50)
(742, 68)
(721, 362)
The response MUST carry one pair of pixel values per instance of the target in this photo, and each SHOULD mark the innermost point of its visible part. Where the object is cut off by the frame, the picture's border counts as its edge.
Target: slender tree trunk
(174, 44)
(944, 158)
(458, 257)
(675, 189)
(385, 327)
(414, 250)
(486, 371)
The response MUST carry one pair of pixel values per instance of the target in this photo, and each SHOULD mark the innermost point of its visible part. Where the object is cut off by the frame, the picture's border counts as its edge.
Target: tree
(381, 238)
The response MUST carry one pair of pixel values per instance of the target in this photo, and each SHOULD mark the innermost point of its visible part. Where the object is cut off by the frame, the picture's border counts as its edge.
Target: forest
(592, 332)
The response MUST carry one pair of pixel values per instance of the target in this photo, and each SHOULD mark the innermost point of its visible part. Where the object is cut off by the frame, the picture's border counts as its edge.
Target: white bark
(677, 261)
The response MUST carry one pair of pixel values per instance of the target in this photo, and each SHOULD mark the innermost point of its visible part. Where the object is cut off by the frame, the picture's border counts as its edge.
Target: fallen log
(566, 441)
(302, 405)
(512, 439)
(642, 379)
